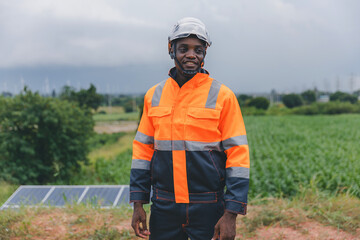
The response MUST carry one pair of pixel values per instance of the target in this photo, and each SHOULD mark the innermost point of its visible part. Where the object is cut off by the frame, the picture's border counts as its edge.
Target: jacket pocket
(202, 124)
(161, 119)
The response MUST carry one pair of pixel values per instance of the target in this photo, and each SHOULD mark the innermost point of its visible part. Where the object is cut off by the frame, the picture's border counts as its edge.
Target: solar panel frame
(117, 195)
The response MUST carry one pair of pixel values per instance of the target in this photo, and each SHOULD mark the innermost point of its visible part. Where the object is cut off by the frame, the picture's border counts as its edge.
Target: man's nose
(191, 54)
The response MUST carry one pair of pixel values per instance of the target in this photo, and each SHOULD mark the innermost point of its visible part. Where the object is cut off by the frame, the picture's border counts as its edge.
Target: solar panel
(104, 196)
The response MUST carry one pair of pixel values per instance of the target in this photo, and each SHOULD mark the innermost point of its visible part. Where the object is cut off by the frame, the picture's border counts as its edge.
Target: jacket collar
(200, 75)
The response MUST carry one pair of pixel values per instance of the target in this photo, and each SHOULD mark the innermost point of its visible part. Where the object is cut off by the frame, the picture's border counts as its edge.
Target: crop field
(298, 164)
(293, 153)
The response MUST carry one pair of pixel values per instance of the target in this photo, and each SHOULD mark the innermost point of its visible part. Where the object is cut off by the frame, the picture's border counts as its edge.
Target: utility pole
(337, 83)
(352, 83)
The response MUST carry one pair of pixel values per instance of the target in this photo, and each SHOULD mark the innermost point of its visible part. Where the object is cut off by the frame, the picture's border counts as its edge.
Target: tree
(42, 139)
(292, 100)
(309, 96)
(243, 99)
(85, 98)
(259, 103)
(343, 97)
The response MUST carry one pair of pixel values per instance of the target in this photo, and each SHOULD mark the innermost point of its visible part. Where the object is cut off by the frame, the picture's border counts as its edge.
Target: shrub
(309, 96)
(343, 97)
(259, 103)
(278, 110)
(327, 108)
(243, 98)
(248, 111)
(42, 139)
(292, 100)
(338, 108)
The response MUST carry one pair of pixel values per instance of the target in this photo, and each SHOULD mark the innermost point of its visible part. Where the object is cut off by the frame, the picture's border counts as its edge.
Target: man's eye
(199, 51)
(182, 50)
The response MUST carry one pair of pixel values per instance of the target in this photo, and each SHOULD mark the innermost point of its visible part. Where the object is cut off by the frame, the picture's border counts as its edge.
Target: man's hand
(139, 216)
(226, 226)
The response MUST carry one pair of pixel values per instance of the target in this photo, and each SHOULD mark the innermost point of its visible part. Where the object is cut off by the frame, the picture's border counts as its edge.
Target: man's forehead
(190, 41)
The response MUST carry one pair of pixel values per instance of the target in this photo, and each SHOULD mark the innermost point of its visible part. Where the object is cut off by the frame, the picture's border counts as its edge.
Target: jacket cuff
(235, 207)
(139, 196)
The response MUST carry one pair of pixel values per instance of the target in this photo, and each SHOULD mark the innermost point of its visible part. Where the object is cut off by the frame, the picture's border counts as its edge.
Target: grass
(71, 222)
(111, 110)
(89, 222)
(114, 170)
(132, 116)
(6, 189)
(110, 151)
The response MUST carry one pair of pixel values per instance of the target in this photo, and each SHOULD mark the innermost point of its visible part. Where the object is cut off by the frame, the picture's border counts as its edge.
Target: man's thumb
(216, 233)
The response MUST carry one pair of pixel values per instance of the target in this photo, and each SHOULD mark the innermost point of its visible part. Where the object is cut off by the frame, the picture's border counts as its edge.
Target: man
(190, 144)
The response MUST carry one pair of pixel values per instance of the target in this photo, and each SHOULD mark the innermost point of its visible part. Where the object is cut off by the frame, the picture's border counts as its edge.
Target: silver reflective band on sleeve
(234, 141)
(213, 94)
(157, 94)
(168, 145)
(143, 138)
(239, 172)
(140, 164)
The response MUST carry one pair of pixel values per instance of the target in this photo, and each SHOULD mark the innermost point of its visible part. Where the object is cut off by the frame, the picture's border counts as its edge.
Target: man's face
(190, 52)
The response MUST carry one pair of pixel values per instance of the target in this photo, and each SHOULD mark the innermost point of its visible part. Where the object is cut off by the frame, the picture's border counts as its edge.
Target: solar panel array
(104, 196)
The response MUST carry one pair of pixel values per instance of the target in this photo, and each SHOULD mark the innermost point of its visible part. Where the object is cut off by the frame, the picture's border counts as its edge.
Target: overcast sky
(121, 46)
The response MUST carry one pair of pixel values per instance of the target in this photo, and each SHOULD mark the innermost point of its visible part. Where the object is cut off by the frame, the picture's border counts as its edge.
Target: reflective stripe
(140, 164)
(239, 172)
(213, 94)
(143, 138)
(157, 94)
(168, 145)
(234, 141)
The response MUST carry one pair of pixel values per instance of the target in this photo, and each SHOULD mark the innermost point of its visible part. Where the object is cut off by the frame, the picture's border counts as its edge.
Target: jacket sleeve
(234, 142)
(143, 149)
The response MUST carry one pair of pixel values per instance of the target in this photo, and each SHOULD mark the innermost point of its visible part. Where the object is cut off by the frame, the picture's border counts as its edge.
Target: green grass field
(133, 116)
(289, 153)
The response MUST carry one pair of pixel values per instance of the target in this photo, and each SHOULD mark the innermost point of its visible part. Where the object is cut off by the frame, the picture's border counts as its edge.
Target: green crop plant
(292, 152)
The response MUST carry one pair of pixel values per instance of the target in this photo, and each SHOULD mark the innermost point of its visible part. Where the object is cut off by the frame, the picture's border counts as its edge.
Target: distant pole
(134, 103)
(109, 97)
(337, 83)
(352, 83)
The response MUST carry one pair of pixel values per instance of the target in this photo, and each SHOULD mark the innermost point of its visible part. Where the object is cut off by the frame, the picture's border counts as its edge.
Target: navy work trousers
(180, 221)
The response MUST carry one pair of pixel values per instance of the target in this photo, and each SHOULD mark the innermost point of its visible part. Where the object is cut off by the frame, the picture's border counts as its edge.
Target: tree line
(306, 103)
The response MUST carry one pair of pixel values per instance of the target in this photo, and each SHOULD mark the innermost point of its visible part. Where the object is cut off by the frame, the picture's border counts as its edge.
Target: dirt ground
(60, 224)
(305, 231)
(113, 127)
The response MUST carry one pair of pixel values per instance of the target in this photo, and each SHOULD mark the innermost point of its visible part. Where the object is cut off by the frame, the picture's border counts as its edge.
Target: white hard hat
(188, 26)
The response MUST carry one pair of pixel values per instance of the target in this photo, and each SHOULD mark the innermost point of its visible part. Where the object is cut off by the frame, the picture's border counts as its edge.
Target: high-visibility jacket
(190, 144)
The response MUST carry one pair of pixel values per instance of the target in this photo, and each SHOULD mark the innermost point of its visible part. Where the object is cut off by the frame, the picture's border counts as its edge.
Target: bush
(42, 139)
(100, 139)
(339, 107)
(327, 108)
(243, 98)
(259, 103)
(343, 97)
(312, 109)
(292, 100)
(309, 96)
(278, 110)
(249, 111)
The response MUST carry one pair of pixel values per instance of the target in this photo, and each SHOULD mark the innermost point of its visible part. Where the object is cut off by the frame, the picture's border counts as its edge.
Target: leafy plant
(42, 139)
(292, 100)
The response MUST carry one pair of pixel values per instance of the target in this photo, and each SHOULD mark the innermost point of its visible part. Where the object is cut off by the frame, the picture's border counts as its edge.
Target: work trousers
(181, 221)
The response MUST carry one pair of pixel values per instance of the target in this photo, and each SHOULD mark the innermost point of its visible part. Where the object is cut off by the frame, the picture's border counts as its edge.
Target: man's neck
(181, 79)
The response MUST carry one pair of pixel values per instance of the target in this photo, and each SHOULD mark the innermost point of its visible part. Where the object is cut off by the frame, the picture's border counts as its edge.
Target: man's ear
(171, 50)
